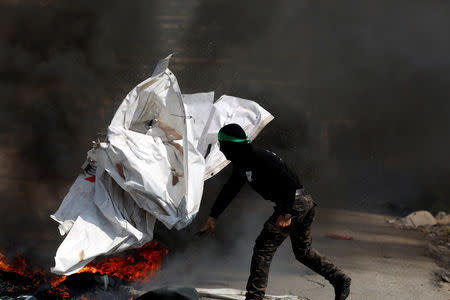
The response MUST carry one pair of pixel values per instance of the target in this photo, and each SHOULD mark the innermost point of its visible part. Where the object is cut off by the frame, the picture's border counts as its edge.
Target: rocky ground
(385, 261)
(385, 257)
(436, 231)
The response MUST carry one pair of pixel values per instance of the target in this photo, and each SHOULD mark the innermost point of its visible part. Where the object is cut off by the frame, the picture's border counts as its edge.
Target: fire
(131, 268)
(139, 266)
(60, 291)
(17, 266)
(55, 281)
(37, 277)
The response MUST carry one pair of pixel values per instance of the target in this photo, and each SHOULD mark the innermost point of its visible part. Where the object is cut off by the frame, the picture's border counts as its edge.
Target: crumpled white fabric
(164, 164)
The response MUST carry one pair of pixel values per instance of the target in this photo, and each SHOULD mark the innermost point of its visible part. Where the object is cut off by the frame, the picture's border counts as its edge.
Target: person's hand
(284, 221)
(210, 226)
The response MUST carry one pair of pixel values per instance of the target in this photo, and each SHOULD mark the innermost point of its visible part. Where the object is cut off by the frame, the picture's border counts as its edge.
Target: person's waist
(301, 192)
(298, 194)
(275, 196)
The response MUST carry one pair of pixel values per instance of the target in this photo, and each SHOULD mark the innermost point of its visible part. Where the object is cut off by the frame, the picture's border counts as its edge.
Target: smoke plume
(359, 91)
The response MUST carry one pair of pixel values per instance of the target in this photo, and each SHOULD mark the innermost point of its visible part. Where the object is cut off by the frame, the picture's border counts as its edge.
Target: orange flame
(17, 266)
(55, 281)
(60, 291)
(131, 268)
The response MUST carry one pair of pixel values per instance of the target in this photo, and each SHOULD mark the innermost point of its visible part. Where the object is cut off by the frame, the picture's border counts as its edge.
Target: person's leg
(301, 244)
(301, 240)
(270, 238)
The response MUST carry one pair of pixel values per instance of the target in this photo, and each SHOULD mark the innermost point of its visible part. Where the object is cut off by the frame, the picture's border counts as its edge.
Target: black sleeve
(285, 203)
(288, 184)
(228, 192)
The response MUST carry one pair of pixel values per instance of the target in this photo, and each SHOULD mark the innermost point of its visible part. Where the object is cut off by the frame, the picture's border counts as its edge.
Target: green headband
(222, 137)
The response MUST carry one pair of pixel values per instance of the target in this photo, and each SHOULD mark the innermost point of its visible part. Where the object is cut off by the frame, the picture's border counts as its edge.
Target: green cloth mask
(222, 137)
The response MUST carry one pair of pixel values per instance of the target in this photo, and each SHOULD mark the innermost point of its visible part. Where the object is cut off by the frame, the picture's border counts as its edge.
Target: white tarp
(166, 144)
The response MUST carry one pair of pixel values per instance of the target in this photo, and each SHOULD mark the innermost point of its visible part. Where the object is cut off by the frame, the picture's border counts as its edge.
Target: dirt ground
(383, 262)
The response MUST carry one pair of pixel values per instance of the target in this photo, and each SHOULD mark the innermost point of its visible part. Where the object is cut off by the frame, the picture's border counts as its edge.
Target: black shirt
(268, 175)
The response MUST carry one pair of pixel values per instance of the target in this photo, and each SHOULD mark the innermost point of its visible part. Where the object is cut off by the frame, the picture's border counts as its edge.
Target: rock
(442, 218)
(391, 221)
(420, 218)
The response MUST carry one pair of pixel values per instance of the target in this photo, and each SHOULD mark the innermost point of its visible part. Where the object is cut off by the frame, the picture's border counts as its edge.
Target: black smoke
(359, 90)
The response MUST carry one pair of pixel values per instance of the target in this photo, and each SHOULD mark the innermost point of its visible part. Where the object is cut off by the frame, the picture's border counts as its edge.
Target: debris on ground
(436, 229)
(189, 293)
(171, 292)
(234, 294)
(442, 218)
(339, 237)
(420, 218)
(442, 278)
(439, 249)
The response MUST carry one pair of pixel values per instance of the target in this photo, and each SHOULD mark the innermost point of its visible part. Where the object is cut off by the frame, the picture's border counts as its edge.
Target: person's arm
(285, 204)
(228, 192)
(285, 207)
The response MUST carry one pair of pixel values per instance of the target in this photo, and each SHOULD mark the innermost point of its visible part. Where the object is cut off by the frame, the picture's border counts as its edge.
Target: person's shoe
(341, 287)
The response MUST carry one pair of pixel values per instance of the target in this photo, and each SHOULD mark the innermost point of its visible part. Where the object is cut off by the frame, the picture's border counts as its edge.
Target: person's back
(269, 175)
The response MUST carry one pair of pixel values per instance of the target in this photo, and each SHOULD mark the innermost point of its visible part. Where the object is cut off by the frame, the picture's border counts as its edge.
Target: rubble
(437, 230)
(439, 249)
(441, 278)
(442, 218)
(171, 292)
(234, 294)
(420, 218)
(189, 293)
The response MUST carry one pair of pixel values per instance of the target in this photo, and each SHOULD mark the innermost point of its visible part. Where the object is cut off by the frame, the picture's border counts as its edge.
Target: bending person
(293, 213)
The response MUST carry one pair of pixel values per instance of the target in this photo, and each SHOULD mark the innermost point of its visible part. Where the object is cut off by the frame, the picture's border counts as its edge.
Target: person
(293, 212)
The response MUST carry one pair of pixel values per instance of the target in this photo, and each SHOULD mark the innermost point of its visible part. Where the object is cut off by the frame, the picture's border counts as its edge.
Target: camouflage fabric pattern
(271, 237)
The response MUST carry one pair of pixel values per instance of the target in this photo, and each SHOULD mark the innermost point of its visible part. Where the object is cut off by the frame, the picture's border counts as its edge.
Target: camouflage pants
(271, 237)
